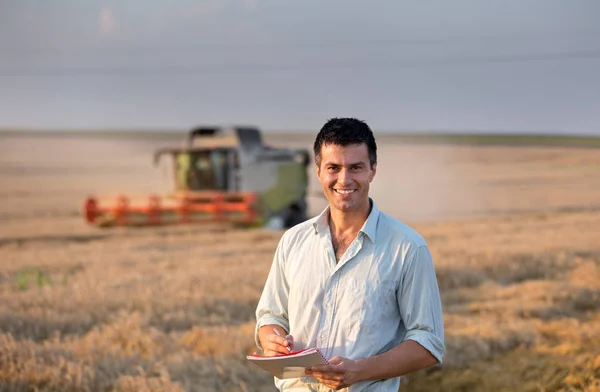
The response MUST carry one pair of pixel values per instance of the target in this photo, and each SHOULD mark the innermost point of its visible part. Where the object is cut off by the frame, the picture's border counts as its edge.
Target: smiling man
(354, 282)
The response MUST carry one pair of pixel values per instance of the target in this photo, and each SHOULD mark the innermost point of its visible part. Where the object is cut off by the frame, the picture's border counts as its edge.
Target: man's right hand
(274, 344)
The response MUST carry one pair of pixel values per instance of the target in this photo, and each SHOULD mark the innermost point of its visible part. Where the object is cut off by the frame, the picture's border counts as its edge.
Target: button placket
(328, 308)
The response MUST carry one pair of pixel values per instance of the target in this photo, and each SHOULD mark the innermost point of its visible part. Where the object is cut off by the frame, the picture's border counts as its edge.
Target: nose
(344, 177)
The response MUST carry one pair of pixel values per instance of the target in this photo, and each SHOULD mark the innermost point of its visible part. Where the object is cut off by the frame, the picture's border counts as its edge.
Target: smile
(345, 191)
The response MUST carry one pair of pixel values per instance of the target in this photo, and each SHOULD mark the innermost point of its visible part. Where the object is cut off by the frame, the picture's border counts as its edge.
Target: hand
(339, 373)
(274, 344)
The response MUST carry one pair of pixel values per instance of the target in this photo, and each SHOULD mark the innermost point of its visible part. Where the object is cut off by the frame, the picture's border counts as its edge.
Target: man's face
(345, 174)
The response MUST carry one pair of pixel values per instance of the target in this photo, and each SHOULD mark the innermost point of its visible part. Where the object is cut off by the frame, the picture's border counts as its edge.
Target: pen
(278, 334)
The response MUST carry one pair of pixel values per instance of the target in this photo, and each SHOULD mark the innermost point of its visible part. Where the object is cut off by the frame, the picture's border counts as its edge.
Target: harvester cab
(220, 174)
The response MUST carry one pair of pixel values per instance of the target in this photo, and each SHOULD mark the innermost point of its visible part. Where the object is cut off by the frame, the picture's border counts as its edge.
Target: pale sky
(502, 66)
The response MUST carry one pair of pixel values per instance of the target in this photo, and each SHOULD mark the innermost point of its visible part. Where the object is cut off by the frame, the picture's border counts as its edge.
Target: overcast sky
(502, 66)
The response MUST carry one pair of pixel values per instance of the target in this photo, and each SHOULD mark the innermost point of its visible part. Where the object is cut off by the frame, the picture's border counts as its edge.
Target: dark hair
(344, 132)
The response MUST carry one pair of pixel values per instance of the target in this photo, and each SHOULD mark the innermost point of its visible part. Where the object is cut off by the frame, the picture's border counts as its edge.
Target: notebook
(289, 365)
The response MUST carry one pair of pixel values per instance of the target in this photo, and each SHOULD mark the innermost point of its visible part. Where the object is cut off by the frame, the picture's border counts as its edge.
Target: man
(354, 282)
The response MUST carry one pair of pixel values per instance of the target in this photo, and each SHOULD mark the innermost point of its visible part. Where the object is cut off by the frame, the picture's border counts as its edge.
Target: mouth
(344, 191)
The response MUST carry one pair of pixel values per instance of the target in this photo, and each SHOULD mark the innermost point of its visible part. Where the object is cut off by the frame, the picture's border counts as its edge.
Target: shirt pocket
(367, 304)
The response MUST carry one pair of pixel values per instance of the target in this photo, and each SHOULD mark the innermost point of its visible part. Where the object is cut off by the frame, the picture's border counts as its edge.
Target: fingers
(331, 380)
(287, 341)
(334, 384)
(322, 368)
(277, 345)
(333, 375)
(328, 376)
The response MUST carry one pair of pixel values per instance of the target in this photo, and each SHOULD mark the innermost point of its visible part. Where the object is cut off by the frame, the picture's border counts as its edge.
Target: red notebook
(290, 365)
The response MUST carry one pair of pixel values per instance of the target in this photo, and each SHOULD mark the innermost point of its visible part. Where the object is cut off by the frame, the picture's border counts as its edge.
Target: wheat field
(514, 232)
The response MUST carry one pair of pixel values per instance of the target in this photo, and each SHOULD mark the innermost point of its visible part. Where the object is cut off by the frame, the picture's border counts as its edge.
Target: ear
(318, 170)
(373, 171)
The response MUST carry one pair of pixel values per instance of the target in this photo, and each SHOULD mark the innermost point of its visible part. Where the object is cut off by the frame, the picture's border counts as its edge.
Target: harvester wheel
(295, 214)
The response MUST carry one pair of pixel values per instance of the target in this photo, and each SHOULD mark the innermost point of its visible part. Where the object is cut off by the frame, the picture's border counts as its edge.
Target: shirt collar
(369, 228)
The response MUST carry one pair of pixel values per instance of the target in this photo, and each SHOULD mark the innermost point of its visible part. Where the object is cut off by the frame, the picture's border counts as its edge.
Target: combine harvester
(221, 175)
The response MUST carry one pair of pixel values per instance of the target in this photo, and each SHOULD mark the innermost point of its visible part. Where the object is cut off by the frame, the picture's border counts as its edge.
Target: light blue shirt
(382, 292)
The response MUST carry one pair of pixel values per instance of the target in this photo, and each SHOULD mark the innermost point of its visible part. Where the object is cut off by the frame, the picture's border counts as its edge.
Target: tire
(295, 214)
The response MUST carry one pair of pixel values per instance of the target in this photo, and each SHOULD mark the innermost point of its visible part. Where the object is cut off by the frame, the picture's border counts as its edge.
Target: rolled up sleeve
(419, 302)
(273, 304)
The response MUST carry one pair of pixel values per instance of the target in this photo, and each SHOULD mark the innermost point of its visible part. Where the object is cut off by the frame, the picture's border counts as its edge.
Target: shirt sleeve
(273, 304)
(420, 304)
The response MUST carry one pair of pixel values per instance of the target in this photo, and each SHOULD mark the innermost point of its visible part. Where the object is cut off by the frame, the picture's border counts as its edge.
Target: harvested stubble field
(514, 231)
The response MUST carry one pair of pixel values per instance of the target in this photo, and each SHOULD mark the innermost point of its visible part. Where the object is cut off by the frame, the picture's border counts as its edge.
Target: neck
(350, 221)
